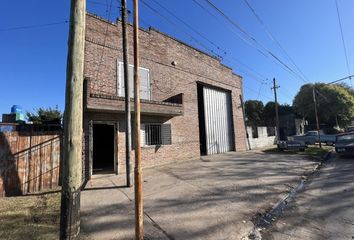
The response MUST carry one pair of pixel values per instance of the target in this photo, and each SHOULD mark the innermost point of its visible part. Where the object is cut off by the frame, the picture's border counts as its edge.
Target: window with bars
(155, 134)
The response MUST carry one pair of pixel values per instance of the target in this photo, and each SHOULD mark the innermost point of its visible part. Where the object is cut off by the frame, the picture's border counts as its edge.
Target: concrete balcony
(95, 102)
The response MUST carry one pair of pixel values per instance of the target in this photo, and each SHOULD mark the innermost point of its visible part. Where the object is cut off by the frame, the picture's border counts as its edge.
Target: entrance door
(215, 120)
(103, 148)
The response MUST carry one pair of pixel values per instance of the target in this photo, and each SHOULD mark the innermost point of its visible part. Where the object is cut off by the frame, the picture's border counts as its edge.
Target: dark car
(345, 143)
(292, 145)
(350, 129)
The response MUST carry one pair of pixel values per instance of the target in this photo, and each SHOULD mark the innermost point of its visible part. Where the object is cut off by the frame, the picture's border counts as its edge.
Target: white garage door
(218, 125)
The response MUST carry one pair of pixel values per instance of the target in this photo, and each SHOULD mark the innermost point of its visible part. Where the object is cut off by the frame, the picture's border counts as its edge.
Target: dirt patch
(30, 217)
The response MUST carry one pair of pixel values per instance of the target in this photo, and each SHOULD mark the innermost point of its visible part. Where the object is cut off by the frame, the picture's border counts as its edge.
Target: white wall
(262, 141)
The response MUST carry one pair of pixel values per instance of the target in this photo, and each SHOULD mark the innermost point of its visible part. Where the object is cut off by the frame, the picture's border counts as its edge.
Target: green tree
(347, 87)
(335, 102)
(269, 112)
(254, 112)
(45, 116)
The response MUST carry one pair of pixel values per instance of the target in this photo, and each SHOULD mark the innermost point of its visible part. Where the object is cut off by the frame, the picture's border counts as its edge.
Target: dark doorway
(201, 118)
(103, 148)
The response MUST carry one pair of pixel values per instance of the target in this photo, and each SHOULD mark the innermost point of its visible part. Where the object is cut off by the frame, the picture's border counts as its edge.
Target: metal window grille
(153, 134)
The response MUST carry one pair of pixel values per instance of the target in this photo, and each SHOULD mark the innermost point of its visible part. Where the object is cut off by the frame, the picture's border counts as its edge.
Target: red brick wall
(157, 52)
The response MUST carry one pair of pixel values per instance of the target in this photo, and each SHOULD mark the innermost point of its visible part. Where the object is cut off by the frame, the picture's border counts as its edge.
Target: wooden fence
(29, 162)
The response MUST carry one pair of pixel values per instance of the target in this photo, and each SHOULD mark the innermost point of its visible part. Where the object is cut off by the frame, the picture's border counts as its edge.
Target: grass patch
(30, 217)
(310, 151)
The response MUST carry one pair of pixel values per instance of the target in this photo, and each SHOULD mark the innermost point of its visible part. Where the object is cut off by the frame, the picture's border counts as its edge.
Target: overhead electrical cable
(104, 42)
(197, 41)
(207, 49)
(102, 4)
(211, 42)
(261, 79)
(259, 46)
(342, 35)
(272, 37)
(190, 27)
(33, 26)
(238, 35)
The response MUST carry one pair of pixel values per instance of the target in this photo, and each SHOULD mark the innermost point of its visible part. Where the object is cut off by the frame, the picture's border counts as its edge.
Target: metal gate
(218, 120)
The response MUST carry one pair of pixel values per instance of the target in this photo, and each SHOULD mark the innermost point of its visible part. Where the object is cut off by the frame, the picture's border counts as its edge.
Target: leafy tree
(254, 112)
(285, 109)
(347, 87)
(269, 112)
(335, 102)
(45, 116)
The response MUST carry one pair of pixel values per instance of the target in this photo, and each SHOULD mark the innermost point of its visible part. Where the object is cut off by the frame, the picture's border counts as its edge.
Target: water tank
(16, 109)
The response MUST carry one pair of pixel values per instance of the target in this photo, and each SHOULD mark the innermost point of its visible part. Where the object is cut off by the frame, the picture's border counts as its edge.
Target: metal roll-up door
(218, 120)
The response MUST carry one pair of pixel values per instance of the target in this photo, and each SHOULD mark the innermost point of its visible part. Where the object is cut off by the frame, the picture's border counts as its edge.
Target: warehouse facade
(190, 102)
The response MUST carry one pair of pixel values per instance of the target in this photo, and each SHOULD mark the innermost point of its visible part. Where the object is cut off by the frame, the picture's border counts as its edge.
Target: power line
(191, 28)
(263, 81)
(259, 46)
(211, 42)
(342, 35)
(168, 20)
(341, 79)
(33, 26)
(102, 4)
(255, 91)
(259, 91)
(104, 42)
(272, 37)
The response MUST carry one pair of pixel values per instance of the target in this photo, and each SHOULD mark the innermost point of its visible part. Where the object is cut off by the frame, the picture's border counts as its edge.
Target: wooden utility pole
(275, 87)
(138, 188)
(316, 113)
(72, 147)
(128, 134)
(244, 121)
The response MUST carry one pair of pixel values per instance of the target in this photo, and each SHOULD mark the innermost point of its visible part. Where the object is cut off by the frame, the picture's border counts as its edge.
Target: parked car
(292, 145)
(311, 137)
(350, 129)
(345, 144)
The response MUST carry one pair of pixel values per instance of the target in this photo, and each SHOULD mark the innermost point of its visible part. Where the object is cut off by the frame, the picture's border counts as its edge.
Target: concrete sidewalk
(213, 198)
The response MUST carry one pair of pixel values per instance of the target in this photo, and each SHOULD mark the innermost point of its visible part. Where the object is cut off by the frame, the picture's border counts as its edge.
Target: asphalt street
(324, 209)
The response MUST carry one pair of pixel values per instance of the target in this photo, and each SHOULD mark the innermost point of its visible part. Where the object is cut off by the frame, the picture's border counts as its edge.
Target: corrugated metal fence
(29, 162)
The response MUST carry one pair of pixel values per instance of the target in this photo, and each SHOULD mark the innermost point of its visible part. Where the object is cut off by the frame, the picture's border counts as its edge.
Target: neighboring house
(190, 102)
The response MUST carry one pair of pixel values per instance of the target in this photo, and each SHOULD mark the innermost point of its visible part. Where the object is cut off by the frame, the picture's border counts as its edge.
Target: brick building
(190, 101)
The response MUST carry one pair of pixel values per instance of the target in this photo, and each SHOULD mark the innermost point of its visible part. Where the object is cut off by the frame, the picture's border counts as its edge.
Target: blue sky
(33, 60)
